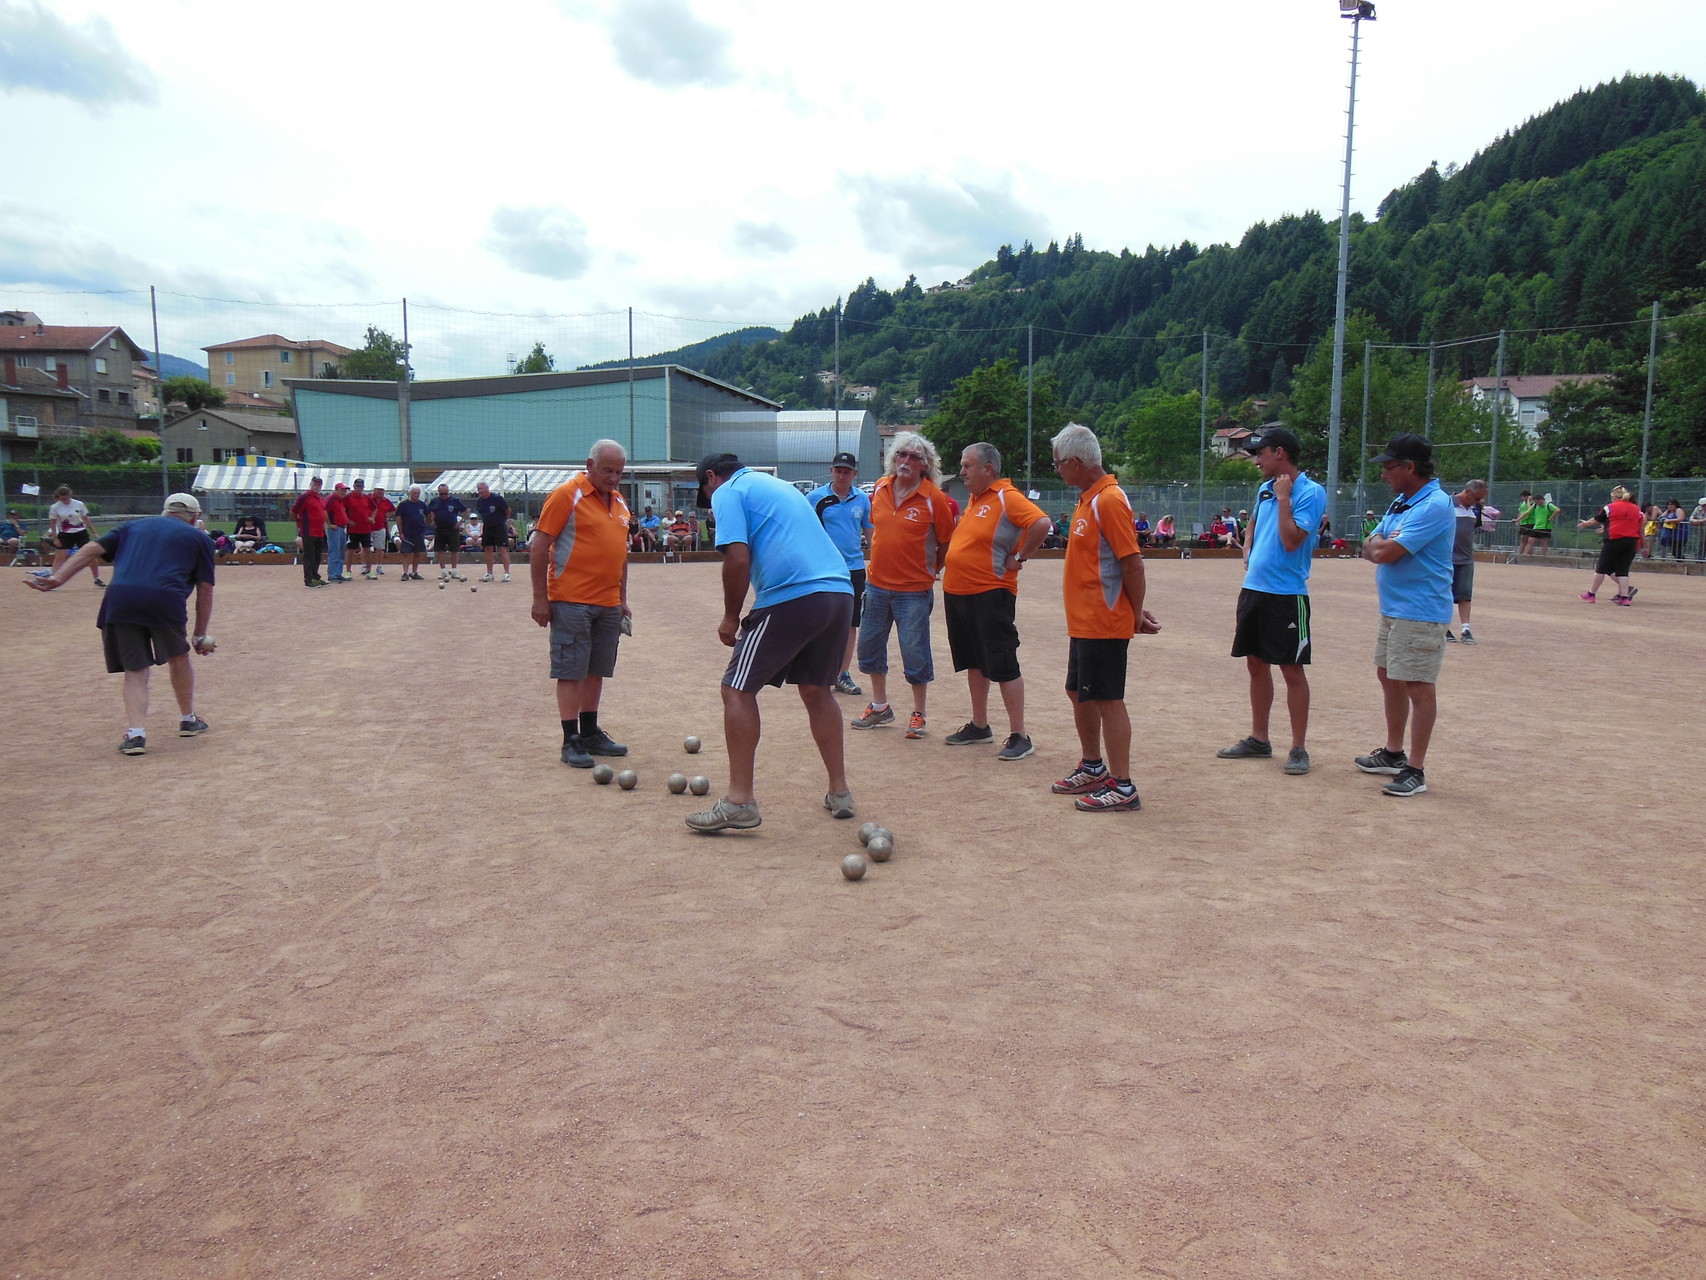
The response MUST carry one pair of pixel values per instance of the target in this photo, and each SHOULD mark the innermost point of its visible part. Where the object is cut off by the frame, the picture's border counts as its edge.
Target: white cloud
(931, 222)
(763, 238)
(543, 240)
(41, 50)
(663, 42)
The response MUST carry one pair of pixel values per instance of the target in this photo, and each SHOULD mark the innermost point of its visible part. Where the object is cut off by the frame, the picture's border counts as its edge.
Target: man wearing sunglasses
(911, 527)
(1411, 551)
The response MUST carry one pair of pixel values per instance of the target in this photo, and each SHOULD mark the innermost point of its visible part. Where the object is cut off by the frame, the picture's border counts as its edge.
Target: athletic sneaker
(1468, 636)
(1297, 762)
(872, 717)
(1409, 782)
(100, 582)
(460, 577)
(915, 725)
(41, 573)
(489, 578)
(1109, 798)
(1450, 639)
(192, 727)
(1017, 747)
(1619, 599)
(845, 685)
(574, 755)
(600, 743)
(1384, 761)
(379, 572)
(1081, 781)
(839, 803)
(1247, 749)
(1588, 596)
(134, 744)
(969, 735)
(724, 815)
(506, 577)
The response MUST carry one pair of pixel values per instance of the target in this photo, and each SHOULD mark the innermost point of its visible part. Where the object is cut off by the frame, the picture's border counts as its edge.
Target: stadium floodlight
(1356, 11)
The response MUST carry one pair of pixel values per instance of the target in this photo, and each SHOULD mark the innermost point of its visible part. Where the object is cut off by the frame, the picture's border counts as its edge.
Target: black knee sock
(589, 723)
(569, 731)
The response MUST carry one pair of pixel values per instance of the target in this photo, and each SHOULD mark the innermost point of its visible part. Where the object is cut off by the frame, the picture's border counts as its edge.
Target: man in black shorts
(156, 563)
(796, 633)
(493, 510)
(447, 512)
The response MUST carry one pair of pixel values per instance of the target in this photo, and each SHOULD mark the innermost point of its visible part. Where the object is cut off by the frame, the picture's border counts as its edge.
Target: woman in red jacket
(1621, 519)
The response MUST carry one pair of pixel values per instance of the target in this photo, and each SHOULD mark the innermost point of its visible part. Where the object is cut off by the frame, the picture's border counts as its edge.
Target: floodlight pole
(1498, 411)
(1362, 458)
(1647, 412)
(405, 433)
(1202, 414)
(1356, 11)
(160, 396)
(1030, 402)
(838, 375)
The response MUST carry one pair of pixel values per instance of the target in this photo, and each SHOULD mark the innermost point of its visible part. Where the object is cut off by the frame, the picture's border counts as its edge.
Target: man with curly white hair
(911, 527)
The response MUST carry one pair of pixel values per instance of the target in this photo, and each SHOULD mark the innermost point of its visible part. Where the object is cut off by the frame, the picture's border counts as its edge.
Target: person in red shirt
(309, 511)
(1621, 519)
(382, 509)
(1103, 589)
(911, 527)
(337, 532)
(360, 507)
(1000, 530)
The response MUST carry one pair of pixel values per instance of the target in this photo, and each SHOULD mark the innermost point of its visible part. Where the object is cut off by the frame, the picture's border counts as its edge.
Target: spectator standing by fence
(1673, 530)
(309, 512)
(1697, 523)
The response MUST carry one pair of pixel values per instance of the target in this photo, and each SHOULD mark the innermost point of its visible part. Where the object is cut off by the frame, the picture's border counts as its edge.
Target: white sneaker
(506, 577)
(488, 578)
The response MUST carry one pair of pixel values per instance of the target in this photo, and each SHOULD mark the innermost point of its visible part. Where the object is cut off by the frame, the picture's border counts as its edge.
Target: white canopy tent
(282, 480)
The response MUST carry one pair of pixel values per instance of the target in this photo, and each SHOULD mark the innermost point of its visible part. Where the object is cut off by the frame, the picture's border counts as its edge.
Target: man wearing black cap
(796, 631)
(1273, 607)
(1411, 550)
(845, 514)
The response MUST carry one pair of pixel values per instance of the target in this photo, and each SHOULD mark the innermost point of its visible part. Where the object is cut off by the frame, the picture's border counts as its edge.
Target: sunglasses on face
(909, 453)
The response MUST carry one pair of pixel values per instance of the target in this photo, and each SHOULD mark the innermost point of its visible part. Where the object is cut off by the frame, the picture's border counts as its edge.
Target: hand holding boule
(205, 645)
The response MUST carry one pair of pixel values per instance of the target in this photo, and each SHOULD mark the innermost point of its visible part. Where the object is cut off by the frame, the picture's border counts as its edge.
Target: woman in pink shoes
(1621, 520)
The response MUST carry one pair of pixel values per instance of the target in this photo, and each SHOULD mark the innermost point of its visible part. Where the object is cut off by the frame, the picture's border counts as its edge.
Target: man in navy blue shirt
(447, 512)
(493, 510)
(156, 563)
(1411, 549)
(1273, 607)
(845, 514)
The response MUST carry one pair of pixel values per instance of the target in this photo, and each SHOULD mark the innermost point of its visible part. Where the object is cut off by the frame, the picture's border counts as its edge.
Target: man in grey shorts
(1411, 550)
(1466, 506)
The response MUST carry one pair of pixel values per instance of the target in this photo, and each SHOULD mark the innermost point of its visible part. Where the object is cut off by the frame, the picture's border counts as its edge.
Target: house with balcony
(35, 405)
(1522, 397)
(259, 366)
(97, 361)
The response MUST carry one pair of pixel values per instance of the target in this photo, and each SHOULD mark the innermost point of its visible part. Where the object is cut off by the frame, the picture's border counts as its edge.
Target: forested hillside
(1563, 231)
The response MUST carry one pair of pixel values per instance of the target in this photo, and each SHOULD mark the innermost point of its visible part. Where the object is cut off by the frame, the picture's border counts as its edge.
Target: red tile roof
(61, 337)
(1532, 386)
(274, 341)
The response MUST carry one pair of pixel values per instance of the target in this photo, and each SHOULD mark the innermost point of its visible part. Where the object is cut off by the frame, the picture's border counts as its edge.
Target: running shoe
(1449, 638)
(489, 578)
(134, 744)
(1017, 747)
(1383, 761)
(845, 685)
(1297, 762)
(1110, 798)
(192, 727)
(872, 717)
(600, 743)
(915, 725)
(100, 582)
(1251, 748)
(1468, 636)
(724, 815)
(506, 577)
(574, 755)
(969, 735)
(1081, 781)
(1589, 596)
(1409, 782)
(839, 803)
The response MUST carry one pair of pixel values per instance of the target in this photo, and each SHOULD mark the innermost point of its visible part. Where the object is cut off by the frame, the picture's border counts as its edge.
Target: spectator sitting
(681, 533)
(510, 534)
(651, 529)
(11, 533)
(1164, 534)
(636, 535)
(1141, 524)
(1218, 535)
(248, 534)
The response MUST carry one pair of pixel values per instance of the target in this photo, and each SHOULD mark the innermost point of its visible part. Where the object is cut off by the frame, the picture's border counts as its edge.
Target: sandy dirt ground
(366, 983)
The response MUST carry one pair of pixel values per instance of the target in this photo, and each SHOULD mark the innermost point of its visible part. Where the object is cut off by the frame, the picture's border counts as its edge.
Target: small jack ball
(603, 774)
(853, 866)
(880, 848)
(699, 784)
(627, 779)
(677, 783)
(691, 745)
(441, 586)
(866, 831)
(473, 588)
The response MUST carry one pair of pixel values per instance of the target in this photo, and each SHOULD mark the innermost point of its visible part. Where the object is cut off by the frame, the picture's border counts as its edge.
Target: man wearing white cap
(156, 562)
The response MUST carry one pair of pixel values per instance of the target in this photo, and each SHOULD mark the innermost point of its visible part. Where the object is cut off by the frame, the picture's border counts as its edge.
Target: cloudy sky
(706, 162)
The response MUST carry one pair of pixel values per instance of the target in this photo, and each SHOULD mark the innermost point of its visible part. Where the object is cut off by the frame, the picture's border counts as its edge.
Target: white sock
(187, 718)
(135, 733)
(879, 706)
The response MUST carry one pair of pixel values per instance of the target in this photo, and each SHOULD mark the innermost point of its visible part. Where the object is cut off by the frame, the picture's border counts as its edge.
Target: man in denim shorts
(1411, 550)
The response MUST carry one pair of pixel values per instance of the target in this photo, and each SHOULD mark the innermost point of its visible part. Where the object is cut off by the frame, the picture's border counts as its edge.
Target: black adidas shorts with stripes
(800, 641)
(1272, 628)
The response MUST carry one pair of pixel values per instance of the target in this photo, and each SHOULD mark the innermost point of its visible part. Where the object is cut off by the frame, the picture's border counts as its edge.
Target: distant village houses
(1522, 398)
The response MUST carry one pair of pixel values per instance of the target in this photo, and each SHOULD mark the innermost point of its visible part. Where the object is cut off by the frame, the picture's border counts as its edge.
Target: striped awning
(226, 478)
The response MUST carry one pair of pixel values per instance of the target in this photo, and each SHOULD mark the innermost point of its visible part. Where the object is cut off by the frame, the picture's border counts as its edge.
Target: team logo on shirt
(912, 514)
(1080, 527)
(982, 510)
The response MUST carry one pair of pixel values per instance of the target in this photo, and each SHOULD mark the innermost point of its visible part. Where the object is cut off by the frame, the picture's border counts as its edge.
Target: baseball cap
(1407, 448)
(360, 484)
(1275, 438)
(340, 485)
(182, 502)
(844, 460)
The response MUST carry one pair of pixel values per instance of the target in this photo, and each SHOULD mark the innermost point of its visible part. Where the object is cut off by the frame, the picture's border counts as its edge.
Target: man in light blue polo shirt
(845, 514)
(1273, 608)
(1411, 550)
(796, 632)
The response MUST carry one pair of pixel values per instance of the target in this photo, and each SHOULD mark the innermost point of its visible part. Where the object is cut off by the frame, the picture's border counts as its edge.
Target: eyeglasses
(1060, 462)
(909, 453)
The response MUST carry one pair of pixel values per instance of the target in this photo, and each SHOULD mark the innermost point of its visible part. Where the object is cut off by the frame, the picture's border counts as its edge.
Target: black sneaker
(1017, 747)
(134, 744)
(191, 728)
(1384, 761)
(575, 755)
(1247, 749)
(1409, 782)
(969, 735)
(600, 743)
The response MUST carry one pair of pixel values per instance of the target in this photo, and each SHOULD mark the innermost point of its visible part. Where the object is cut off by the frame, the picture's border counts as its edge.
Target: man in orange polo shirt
(1000, 530)
(911, 526)
(1103, 588)
(579, 564)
